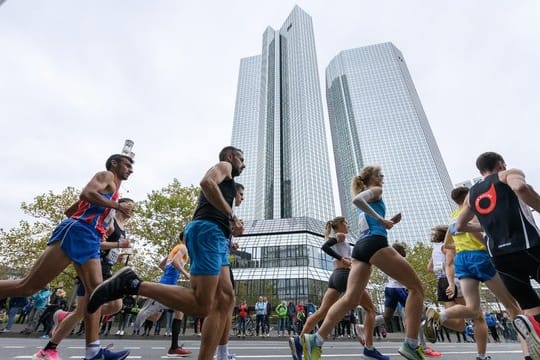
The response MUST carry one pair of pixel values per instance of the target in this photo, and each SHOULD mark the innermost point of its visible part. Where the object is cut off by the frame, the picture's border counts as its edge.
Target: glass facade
(376, 118)
(282, 259)
(279, 124)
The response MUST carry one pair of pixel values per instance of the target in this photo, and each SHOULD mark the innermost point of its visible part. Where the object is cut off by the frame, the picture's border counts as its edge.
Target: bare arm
(430, 266)
(516, 180)
(450, 272)
(101, 183)
(177, 263)
(463, 223)
(362, 200)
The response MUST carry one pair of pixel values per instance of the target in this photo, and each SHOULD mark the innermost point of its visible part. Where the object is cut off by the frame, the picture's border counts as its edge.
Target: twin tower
(375, 117)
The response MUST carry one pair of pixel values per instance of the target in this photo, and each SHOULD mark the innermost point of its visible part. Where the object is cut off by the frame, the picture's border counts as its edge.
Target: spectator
(267, 315)
(15, 305)
(243, 314)
(40, 300)
(281, 311)
(291, 315)
(260, 311)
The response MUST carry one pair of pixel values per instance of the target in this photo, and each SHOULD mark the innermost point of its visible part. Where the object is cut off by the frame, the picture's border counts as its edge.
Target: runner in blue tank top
(77, 240)
(372, 249)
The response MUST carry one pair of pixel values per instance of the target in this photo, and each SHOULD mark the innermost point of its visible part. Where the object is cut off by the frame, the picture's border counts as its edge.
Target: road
(24, 348)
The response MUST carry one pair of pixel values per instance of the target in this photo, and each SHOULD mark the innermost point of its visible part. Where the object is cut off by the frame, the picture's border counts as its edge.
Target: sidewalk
(17, 328)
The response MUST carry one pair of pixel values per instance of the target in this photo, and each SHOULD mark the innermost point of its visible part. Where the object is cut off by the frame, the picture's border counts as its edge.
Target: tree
(419, 257)
(22, 245)
(157, 223)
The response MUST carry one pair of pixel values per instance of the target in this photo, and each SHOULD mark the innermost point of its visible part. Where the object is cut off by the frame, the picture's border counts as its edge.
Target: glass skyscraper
(376, 118)
(279, 125)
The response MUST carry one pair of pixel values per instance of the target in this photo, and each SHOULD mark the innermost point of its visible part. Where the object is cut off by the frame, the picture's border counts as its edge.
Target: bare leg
(358, 279)
(329, 298)
(369, 322)
(215, 321)
(455, 324)
(394, 265)
(49, 264)
(90, 275)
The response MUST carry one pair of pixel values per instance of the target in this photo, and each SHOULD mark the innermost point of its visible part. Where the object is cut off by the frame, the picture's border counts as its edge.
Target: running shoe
(178, 352)
(431, 353)
(360, 336)
(124, 282)
(106, 354)
(529, 329)
(484, 358)
(311, 350)
(48, 354)
(296, 347)
(58, 317)
(409, 353)
(431, 324)
(374, 354)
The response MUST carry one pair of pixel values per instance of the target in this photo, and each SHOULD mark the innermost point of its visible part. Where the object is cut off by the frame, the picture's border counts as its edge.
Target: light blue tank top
(367, 225)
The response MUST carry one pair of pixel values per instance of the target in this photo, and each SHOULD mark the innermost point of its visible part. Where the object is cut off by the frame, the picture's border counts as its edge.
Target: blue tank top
(96, 216)
(170, 274)
(367, 224)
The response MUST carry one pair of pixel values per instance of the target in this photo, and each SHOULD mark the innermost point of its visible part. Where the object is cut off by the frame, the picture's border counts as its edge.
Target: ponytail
(357, 185)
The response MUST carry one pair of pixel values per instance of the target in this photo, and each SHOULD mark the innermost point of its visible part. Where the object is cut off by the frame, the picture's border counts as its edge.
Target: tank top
(343, 249)
(206, 211)
(507, 221)
(94, 215)
(368, 226)
(438, 258)
(463, 241)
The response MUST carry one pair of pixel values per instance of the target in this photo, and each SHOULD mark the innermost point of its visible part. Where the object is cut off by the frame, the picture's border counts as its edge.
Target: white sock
(222, 352)
(319, 339)
(92, 349)
(442, 317)
(412, 342)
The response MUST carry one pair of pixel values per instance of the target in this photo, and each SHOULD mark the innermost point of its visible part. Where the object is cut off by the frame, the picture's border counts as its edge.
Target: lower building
(282, 259)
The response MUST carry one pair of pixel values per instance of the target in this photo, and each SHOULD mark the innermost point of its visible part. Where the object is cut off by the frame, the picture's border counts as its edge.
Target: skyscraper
(376, 118)
(279, 124)
(290, 168)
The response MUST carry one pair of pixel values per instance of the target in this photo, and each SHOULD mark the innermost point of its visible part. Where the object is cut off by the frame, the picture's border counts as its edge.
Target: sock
(176, 323)
(222, 352)
(412, 342)
(442, 317)
(481, 356)
(370, 348)
(319, 339)
(92, 349)
(50, 346)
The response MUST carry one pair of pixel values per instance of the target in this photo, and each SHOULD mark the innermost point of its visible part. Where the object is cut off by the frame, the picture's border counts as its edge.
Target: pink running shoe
(431, 353)
(48, 354)
(58, 317)
(360, 336)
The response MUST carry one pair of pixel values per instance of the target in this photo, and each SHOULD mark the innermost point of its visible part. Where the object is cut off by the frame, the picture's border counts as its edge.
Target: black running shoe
(124, 282)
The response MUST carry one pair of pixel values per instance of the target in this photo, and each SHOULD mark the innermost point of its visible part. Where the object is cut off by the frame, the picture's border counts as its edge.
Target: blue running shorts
(78, 240)
(393, 296)
(207, 247)
(474, 264)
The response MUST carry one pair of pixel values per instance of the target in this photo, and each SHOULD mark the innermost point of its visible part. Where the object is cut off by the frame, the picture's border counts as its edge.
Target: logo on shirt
(485, 203)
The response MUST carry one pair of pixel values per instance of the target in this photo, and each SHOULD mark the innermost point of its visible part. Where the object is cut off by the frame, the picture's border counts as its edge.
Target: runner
(372, 249)
(211, 295)
(337, 247)
(65, 321)
(501, 203)
(77, 240)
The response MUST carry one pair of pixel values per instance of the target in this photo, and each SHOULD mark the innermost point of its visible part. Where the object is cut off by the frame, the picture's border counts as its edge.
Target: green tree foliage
(22, 245)
(419, 257)
(157, 223)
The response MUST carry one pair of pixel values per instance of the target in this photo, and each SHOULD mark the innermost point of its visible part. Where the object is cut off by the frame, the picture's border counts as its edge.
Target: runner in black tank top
(501, 203)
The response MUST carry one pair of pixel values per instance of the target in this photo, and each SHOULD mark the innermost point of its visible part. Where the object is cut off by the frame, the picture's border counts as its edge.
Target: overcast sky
(77, 78)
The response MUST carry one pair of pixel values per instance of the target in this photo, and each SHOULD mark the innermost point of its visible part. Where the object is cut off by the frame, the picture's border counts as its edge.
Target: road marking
(13, 347)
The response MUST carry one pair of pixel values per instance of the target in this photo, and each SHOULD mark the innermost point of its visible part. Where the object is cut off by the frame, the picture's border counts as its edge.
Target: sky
(77, 78)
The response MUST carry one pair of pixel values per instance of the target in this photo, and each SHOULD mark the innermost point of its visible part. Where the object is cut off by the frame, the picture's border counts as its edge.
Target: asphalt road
(24, 348)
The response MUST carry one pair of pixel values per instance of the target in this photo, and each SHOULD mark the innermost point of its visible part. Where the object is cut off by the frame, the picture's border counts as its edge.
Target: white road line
(13, 347)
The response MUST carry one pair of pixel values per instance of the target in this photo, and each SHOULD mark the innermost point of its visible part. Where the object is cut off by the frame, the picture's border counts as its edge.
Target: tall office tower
(279, 124)
(245, 128)
(376, 118)
(291, 170)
